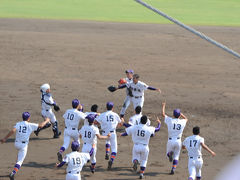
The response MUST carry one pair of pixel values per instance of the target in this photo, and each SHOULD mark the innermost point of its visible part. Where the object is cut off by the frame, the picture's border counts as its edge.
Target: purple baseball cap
(110, 105)
(75, 103)
(91, 118)
(25, 116)
(75, 146)
(129, 71)
(176, 113)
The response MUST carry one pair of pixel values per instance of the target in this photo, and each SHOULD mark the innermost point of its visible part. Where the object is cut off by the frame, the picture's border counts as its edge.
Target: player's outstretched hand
(56, 165)
(159, 90)
(213, 153)
(158, 120)
(109, 134)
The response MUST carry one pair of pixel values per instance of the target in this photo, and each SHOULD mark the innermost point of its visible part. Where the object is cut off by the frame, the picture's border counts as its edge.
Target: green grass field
(201, 12)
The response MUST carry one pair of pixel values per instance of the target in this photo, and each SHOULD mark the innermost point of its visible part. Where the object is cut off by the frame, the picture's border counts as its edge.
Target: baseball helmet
(176, 113)
(44, 87)
(75, 103)
(25, 116)
(91, 118)
(75, 146)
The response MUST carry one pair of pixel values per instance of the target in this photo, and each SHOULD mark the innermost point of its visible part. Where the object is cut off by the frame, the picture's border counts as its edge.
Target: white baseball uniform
(127, 100)
(195, 161)
(75, 161)
(72, 118)
(140, 136)
(137, 92)
(47, 102)
(23, 132)
(175, 130)
(89, 138)
(109, 121)
(135, 120)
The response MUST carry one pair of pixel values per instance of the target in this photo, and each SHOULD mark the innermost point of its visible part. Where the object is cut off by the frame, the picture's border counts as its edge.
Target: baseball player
(47, 104)
(194, 145)
(109, 121)
(72, 118)
(137, 88)
(89, 134)
(141, 134)
(127, 101)
(135, 119)
(94, 109)
(175, 126)
(23, 131)
(75, 161)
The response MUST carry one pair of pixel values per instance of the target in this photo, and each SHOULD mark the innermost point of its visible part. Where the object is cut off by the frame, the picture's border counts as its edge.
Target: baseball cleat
(141, 176)
(92, 169)
(172, 172)
(110, 164)
(59, 155)
(36, 133)
(11, 176)
(56, 135)
(107, 156)
(171, 156)
(135, 165)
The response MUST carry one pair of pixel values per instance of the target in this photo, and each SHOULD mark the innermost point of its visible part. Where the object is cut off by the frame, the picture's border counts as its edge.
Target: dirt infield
(80, 59)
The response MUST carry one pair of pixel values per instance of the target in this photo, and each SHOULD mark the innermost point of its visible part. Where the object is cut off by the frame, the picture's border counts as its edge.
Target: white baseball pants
(112, 141)
(70, 176)
(174, 145)
(69, 134)
(22, 151)
(137, 101)
(126, 103)
(49, 114)
(195, 166)
(87, 148)
(140, 152)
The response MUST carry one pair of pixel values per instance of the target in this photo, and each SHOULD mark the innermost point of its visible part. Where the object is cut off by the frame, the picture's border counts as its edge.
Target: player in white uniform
(72, 118)
(89, 134)
(141, 134)
(127, 101)
(137, 89)
(175, 126)
(47, 104)
(75, 161)
(23, 131)
(109, 121)
(194, 145)
(135, 119)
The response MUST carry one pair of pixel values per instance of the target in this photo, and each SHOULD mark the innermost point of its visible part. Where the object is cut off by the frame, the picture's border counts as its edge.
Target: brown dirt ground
(80, 59)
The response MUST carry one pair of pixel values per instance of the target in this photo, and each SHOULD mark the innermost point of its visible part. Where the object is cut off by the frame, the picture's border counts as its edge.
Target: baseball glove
(122, 81)
(112, 88)
(56, 107)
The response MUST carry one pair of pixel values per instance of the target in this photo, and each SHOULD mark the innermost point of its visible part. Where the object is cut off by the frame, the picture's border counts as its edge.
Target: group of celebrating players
(138, 127)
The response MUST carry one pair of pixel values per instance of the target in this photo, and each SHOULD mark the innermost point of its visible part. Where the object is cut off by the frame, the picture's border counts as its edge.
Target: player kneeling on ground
(23, 131)
(89, 134)
(141, 134)
(75, 161)
(194, 145)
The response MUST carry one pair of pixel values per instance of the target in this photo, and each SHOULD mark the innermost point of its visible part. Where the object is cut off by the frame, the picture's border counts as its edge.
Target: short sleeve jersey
(175, 126)
(76, 161)
(135, 120)
(72, 118)
(140, 133)
(193, 145)
(109, 121)
(137, 89)
(88, 134)
(24, 130)
(47, 101)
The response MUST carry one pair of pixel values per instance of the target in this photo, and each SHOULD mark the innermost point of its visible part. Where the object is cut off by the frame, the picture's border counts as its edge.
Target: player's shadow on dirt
(31, 139)
(39, 165)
